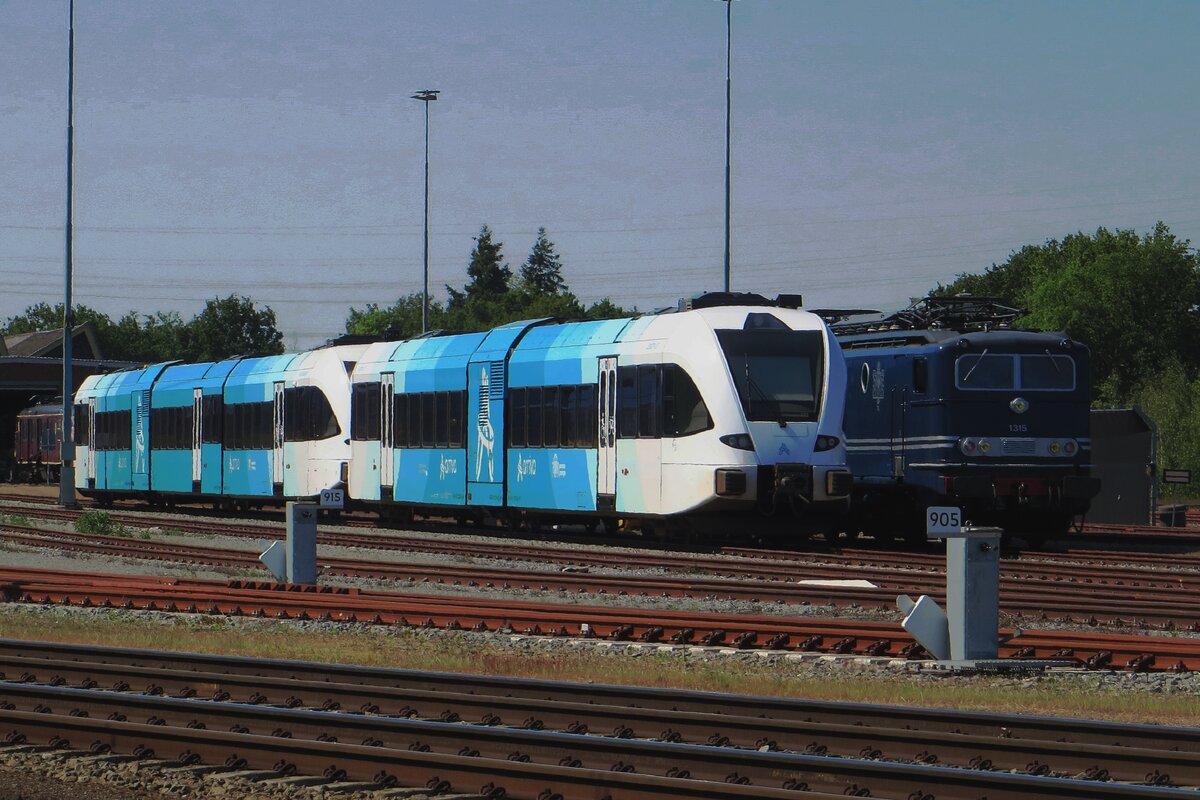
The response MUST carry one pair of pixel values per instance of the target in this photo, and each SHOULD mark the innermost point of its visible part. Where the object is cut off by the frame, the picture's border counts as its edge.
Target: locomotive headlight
(1055, 448)
(1070, 447)
(826, 443)
(985, 446)
(968, 447)
(738, 441)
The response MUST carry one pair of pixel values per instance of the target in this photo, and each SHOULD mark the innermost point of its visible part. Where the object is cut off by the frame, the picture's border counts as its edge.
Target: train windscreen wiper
(967, 377)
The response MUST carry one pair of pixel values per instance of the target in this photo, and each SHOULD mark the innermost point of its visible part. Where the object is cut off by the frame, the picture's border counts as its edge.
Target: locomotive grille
(1017, 447)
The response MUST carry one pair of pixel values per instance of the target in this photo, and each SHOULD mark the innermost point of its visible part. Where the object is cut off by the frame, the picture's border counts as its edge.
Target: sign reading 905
(943, 519)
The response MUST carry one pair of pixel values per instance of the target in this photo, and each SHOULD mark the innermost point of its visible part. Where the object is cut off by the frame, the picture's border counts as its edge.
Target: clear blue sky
(271, 148)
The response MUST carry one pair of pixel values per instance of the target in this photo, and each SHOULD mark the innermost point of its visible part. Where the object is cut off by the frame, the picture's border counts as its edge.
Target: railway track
(518, 738)
(650, 627)
(1145, 600)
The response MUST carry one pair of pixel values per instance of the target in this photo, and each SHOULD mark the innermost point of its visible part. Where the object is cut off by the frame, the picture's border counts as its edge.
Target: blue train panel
(486, 380)
(558, 479)
(434, 476)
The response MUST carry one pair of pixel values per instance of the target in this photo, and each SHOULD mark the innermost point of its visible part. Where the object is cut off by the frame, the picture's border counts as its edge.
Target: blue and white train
(724, 413)
(948, 405)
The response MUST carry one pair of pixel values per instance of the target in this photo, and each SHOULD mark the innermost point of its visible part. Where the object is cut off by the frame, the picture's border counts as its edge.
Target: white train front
(726, 416)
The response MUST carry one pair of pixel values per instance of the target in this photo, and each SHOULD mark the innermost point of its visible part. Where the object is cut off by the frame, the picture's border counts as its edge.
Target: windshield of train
(1025, 371)
(777, 372)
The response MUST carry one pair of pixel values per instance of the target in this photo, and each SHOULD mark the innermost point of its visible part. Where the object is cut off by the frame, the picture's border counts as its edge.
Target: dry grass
(1054, 696)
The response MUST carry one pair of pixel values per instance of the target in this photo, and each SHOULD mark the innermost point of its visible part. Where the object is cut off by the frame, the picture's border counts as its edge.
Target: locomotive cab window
(1024, 372)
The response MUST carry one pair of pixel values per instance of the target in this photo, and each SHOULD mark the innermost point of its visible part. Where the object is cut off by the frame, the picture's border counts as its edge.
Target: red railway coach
(37, 452)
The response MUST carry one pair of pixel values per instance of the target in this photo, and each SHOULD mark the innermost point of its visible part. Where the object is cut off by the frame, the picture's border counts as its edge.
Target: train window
(550, 417)
(777, 373)
(587, 420)
(442, 428)
(533, 431)
(627, 409)
(212, 415)
(684, 411)
(566, 416)
(416, 420)
(457, 419)
(430, 410)
(81, 424)
(399, 421)
(516, 418)
(920, 376)
(985, 371)
(649, 400)
(366, 401)
(1048, 372)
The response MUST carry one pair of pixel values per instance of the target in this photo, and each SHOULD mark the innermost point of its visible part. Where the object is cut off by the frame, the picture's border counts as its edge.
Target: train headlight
(1070, 447)
(826, 443)
(1055, 448)
(985, 446)
(738, 441)
(968, 447)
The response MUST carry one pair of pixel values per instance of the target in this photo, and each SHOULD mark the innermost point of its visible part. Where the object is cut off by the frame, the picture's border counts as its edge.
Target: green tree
(488, 276)
(400, 320)
(161, 336)
(232, 326)
(1172, 399)
(542, 271)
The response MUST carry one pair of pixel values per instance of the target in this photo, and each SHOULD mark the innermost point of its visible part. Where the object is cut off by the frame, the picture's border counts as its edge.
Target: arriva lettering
(235, 464)
(526, 466)
(557, 468)
(449, 466)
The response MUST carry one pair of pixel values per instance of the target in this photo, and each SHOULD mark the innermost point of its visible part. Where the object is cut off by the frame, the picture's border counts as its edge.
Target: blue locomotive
(949, 405)
(730, 405)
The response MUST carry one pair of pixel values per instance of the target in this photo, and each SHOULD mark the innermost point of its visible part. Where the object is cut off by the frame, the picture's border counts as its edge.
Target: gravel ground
(29, 774)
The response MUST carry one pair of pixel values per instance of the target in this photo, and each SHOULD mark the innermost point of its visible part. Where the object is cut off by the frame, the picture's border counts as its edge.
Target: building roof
(37, 344)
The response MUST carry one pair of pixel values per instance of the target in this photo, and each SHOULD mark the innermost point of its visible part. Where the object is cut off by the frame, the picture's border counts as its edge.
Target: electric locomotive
(949, 405)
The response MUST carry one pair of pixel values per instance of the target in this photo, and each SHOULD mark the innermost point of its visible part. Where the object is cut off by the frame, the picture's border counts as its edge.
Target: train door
(387, 441)
(140, 403)
(899, 412)
(91, 451)
(606, 463)
(197, 436)
(277, 439)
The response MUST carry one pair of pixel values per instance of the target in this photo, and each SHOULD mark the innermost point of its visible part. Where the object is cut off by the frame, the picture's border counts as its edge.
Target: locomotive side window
(533, 430)
(588, 417)
(113, 430)
(516, 418)
(920, 377)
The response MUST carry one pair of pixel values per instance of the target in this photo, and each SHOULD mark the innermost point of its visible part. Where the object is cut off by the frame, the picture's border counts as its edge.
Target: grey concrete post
(973, 593)
(302, 542)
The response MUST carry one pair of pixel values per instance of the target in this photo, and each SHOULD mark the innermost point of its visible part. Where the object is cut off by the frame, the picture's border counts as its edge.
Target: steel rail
(239, 598)
(1164, 606)
(732, 736)
(41, 658)
(519, 776)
